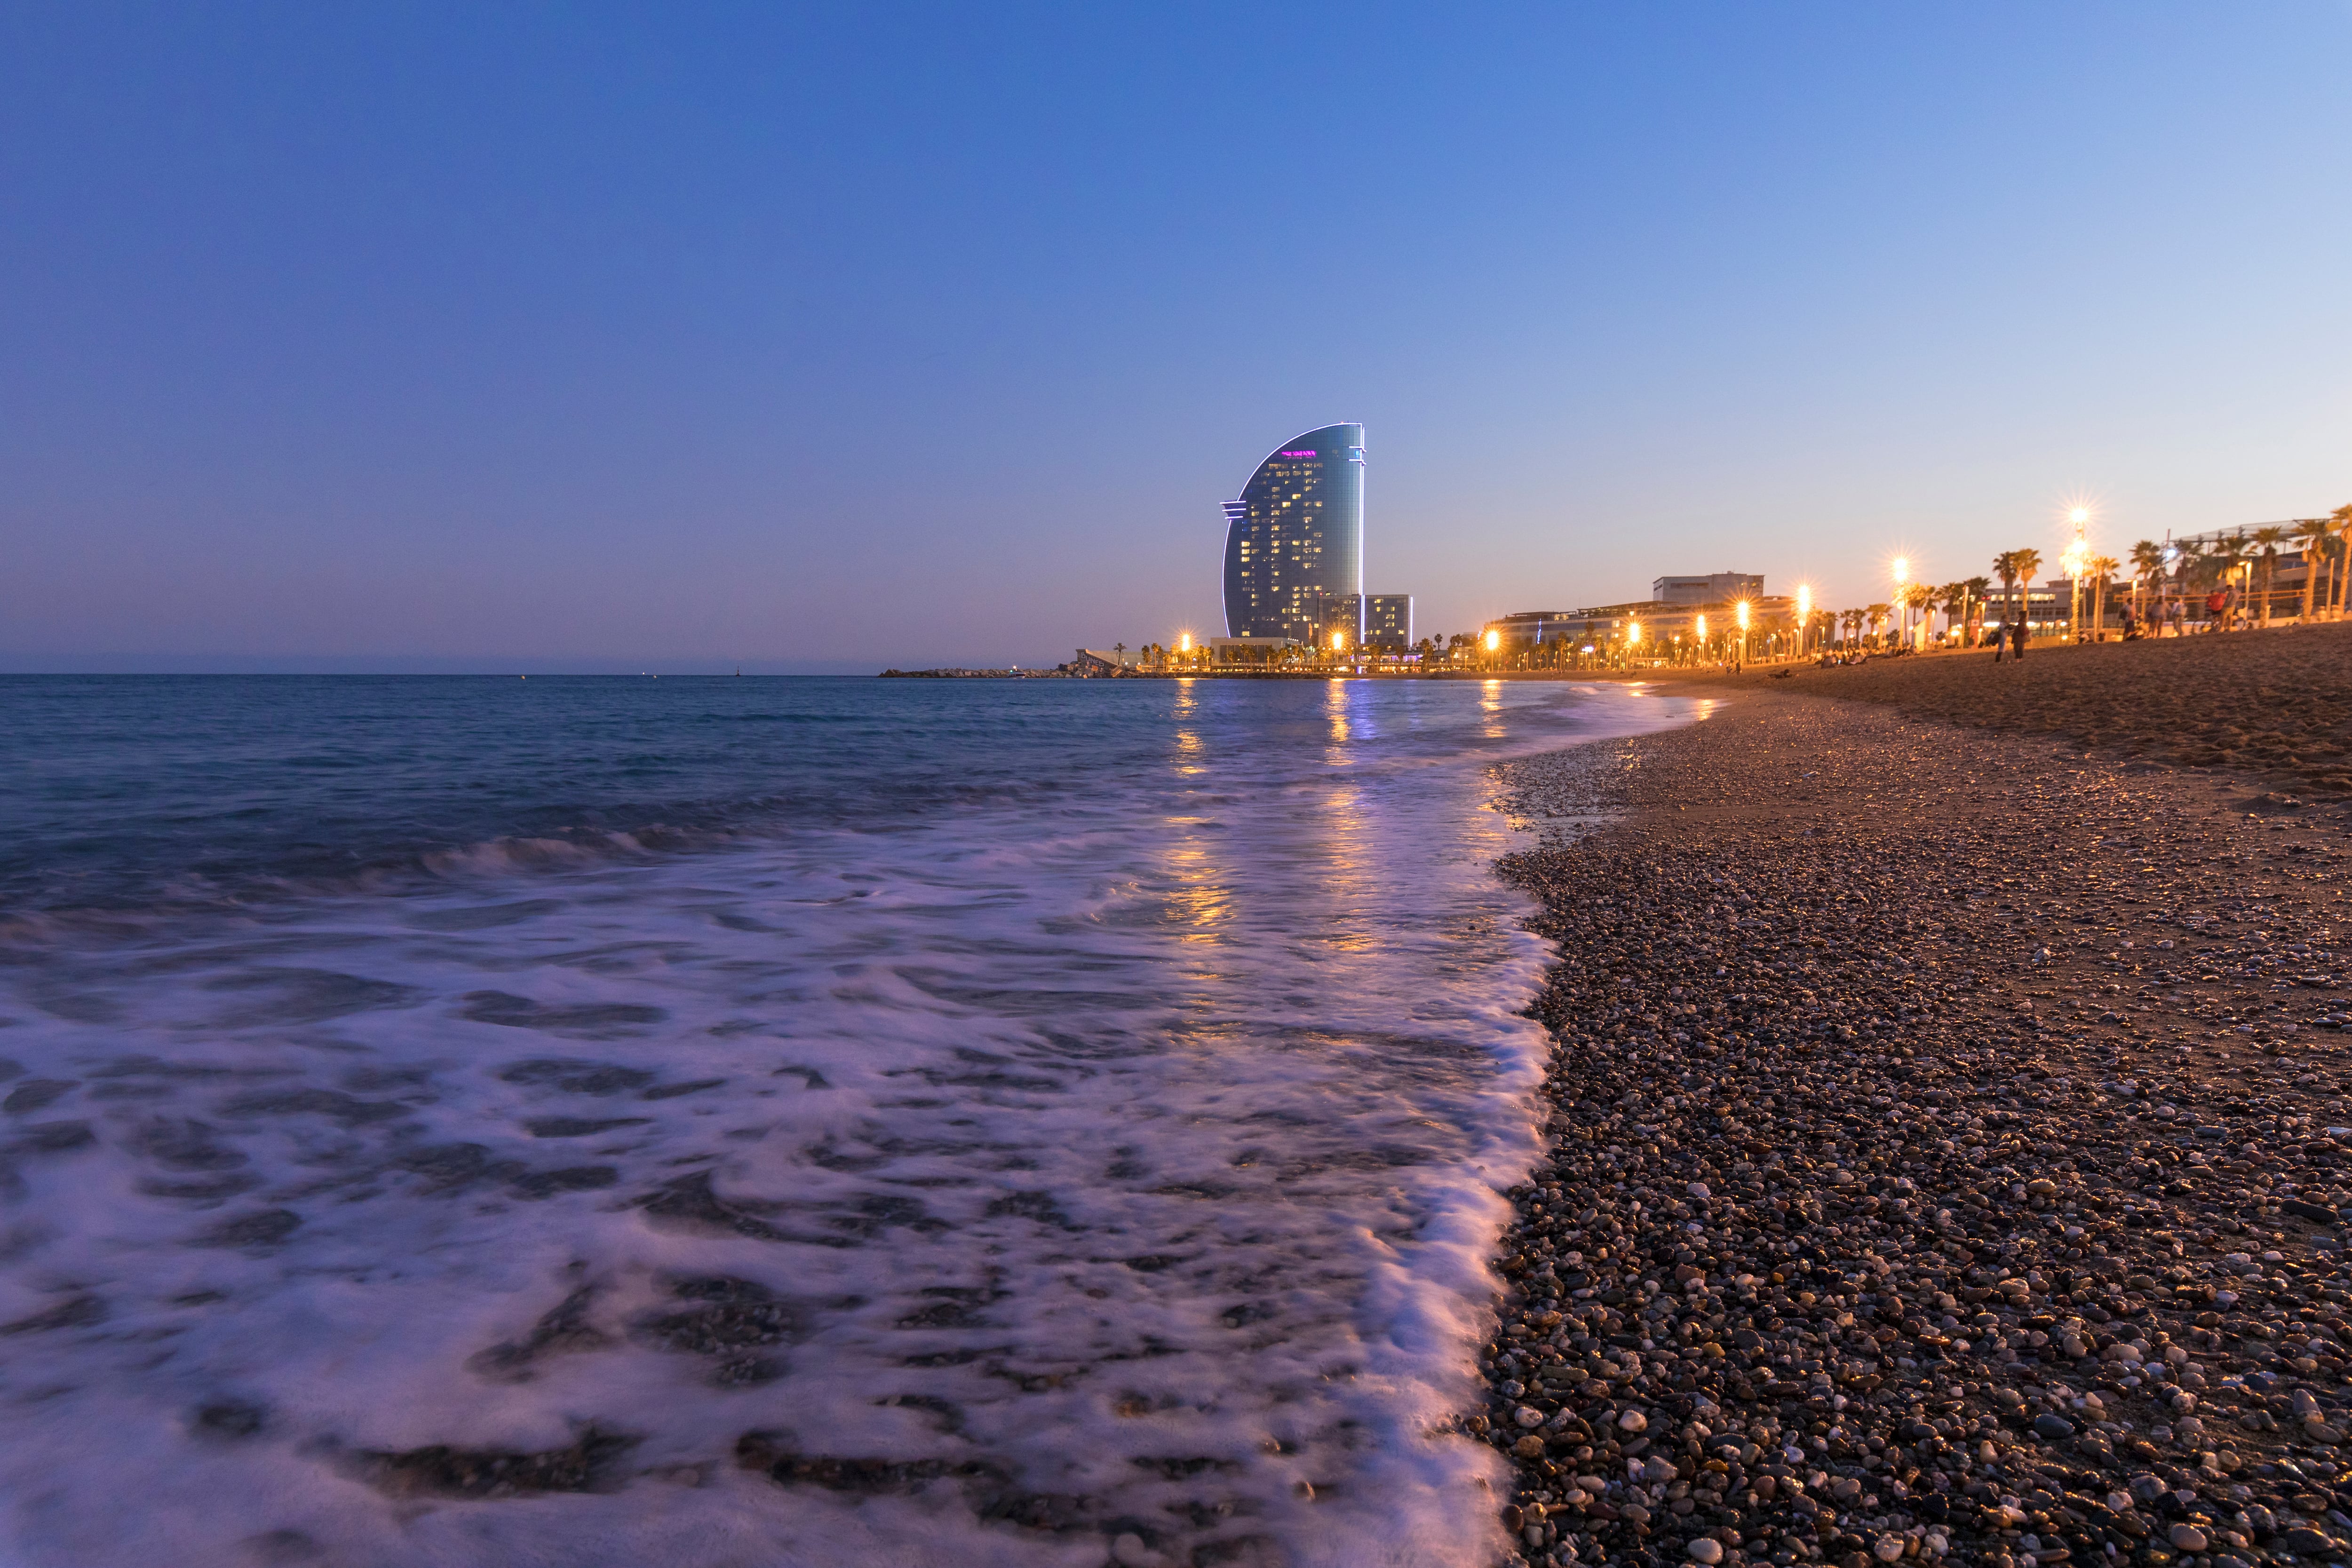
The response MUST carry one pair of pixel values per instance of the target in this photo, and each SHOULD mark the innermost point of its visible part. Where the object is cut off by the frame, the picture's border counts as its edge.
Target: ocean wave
(1113, 1162)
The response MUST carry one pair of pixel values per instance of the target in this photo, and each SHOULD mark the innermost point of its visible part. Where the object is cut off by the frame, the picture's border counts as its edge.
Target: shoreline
(1876, 1195)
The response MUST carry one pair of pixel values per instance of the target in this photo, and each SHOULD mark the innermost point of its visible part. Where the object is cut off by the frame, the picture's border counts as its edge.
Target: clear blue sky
(673, 336)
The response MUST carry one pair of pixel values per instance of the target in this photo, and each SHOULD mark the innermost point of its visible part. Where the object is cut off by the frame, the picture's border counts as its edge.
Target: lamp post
(2077, 554)
(1698, 630)
(1740, 611)
(1804, 617)
(1902, 610)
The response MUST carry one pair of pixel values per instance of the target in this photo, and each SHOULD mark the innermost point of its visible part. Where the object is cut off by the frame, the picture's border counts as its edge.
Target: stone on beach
(1834, 1250)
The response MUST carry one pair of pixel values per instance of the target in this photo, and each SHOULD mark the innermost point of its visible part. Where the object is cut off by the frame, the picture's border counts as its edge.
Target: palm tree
(2004, 567)
(2267, 540)
(2226, 560)
(1919, 597)
(1852, 621)
(2103, 571)
(2027, 563)
(1979, 589)
(2214, 562)
(1952, 598)
(2342, 518)
(2312, 536)
(2148, 568)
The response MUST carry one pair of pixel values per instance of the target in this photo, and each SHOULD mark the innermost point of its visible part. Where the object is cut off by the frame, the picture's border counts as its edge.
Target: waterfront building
(1716, 588)
(1335, 614)
(1388, 621)
(1294, 540)
(1264, 652)
(1366, 620)
(1600, 626)
(1105, 661)
(1538, 628)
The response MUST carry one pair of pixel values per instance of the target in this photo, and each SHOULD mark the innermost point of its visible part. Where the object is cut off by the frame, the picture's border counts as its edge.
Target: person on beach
(2017, 637)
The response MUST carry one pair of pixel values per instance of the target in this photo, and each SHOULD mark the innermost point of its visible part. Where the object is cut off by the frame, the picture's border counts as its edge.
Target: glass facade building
(1294, 541)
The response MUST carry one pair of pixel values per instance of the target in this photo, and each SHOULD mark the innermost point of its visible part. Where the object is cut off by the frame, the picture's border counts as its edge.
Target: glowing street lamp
(1740, 611)
(1804, 616)
(2077, 556)
(1493, 641)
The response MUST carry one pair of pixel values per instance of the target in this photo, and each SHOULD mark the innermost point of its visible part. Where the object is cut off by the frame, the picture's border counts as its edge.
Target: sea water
(710, 1122)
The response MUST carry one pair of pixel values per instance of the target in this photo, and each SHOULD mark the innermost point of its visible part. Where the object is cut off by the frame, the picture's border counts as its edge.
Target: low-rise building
(1715, 589)
(1102, 661)
(1244, 651)
(1603, 626)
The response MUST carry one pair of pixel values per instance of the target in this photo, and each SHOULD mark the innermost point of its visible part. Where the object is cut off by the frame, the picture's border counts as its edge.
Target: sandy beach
(1949, 1124)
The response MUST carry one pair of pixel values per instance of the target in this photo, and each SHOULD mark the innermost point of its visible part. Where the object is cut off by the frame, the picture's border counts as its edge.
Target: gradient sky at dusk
(676, 337)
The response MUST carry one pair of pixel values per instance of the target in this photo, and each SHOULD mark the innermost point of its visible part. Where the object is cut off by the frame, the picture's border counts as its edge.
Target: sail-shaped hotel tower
(1295, 542)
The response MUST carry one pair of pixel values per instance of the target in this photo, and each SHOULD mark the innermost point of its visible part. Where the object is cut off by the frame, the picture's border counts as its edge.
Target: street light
(1804, 616)
(2077, 556)
(1902, 610)
(1740, 611)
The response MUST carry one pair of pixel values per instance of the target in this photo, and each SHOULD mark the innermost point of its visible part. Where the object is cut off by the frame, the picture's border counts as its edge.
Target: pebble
(1831, 1246)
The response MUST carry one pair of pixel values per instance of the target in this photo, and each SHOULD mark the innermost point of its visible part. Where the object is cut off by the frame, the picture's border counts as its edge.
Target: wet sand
(1950, 1133)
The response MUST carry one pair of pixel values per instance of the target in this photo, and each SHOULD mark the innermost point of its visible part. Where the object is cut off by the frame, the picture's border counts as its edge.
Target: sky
(826, 338)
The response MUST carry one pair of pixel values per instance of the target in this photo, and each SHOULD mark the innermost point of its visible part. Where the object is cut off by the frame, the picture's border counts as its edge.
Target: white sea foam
(976, 1192)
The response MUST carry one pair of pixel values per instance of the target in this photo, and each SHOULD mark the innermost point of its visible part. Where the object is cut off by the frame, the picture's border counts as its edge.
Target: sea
(700, 1122)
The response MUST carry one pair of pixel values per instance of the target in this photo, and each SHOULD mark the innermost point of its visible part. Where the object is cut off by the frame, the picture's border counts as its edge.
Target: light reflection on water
(1124, 1152)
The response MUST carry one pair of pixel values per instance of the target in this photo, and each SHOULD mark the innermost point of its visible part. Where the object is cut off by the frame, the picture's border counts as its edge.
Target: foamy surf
(1098, 1172)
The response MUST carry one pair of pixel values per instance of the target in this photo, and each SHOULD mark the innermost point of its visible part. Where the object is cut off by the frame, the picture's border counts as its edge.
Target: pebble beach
(1947, 1132)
